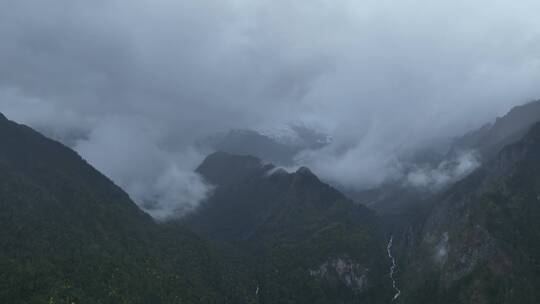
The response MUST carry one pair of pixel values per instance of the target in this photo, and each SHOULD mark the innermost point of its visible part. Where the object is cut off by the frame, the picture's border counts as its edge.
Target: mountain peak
(222, 168)
(231, 160)
(2, 117)
(505, 130)
(275, 217)
(305, 173)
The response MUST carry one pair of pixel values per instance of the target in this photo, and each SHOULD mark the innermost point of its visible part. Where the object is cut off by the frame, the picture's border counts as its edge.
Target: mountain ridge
(297, 228)
(480, 242)
(69, 235)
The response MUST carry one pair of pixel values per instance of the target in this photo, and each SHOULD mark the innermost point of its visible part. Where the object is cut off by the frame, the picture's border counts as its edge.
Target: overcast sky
(132, 83)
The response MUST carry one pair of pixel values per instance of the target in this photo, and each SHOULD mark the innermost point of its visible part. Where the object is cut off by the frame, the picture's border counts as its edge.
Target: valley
(269, 152)
(266, 235)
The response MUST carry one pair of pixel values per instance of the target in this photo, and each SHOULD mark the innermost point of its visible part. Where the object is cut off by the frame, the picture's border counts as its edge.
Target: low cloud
(133, 84)
(448, 171)
(161, 181)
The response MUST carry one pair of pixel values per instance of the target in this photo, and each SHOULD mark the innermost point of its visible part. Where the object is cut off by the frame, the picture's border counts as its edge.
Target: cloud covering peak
(132, 84)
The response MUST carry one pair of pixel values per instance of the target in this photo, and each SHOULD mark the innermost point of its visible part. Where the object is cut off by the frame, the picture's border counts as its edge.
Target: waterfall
(393, 268)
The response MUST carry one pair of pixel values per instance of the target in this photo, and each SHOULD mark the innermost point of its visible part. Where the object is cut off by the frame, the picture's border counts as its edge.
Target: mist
(132, 85)
(448, 171)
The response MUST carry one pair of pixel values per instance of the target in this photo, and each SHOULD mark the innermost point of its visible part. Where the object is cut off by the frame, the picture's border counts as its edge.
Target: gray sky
(136, 81)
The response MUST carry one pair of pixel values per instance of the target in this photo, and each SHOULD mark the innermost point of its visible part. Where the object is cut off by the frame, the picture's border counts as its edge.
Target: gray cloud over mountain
(132, 84)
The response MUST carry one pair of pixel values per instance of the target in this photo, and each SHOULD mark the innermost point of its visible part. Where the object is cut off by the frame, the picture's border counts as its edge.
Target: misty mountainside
(491, 138)
(69, 235)
(264, 235)
(277, 149)
(307, 242)
(480, 240)
(434, 169)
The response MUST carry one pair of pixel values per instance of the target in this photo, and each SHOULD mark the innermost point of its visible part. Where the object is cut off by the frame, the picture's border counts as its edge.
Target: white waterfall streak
(393, 268)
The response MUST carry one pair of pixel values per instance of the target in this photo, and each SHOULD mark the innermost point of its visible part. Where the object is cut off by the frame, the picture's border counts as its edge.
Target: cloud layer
(132, 84)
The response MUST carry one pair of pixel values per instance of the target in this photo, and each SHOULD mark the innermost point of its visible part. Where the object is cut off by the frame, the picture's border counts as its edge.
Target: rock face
(480, 242)
(345, 270)
(307, 241)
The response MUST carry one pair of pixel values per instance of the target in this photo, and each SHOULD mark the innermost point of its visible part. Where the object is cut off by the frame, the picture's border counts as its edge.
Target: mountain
(480, 240)
(69, 235)
(307, 242)
(398, 201)
(276, 149)
(491, 138)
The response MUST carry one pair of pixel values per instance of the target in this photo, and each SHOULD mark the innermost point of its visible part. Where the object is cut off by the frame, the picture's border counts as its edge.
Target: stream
(393, 268)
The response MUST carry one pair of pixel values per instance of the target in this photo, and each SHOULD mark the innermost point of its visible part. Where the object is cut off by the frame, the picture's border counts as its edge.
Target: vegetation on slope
(69, 235)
